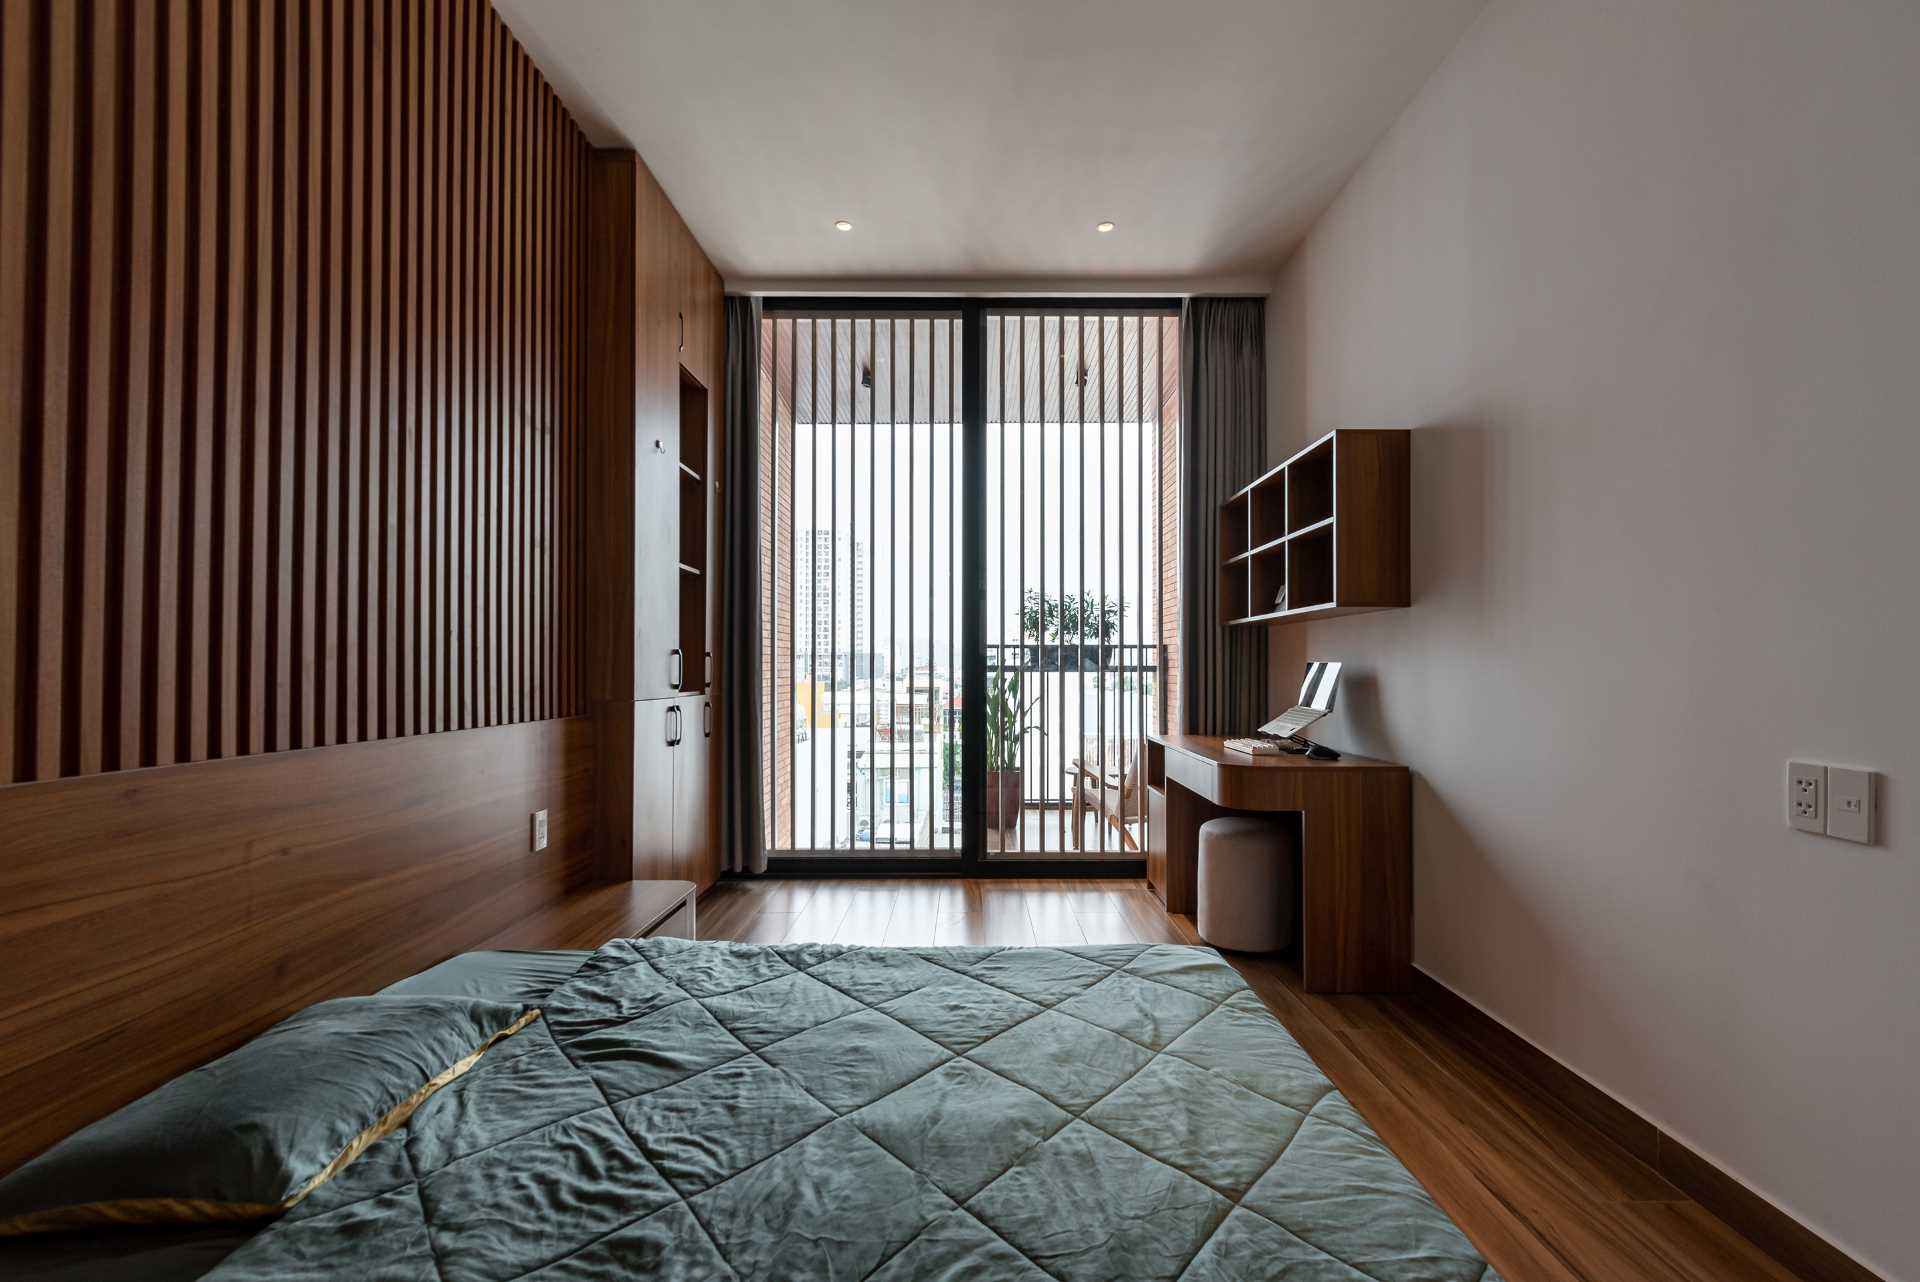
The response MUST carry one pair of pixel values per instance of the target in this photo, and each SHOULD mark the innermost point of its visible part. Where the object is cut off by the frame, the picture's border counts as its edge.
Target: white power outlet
(539, 831)
(1807, 796)
(1850, 804)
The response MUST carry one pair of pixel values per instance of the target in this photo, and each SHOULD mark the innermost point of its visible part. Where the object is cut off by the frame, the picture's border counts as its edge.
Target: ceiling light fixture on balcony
(843, 225)
(1103, 228)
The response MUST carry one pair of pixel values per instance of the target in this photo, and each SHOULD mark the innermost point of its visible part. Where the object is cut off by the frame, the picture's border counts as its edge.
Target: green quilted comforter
(698, 1110)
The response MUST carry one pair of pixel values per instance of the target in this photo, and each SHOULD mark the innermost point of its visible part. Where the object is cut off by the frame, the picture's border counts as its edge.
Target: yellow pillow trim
(183, 1210)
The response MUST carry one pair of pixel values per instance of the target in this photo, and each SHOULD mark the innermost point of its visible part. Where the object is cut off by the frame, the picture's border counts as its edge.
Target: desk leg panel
(1186, 811)
(1357, 884)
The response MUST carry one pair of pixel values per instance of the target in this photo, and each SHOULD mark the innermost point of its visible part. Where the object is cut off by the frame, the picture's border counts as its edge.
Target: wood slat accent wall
(290, 379)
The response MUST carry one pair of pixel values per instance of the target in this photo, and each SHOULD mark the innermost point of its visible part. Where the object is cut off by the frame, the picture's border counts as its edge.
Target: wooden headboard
(152, 919)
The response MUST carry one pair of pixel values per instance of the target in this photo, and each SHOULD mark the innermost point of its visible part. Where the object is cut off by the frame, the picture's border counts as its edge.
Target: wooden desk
(1356, 849)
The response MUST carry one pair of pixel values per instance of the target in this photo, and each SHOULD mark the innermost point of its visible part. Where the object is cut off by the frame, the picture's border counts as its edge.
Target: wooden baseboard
(1795, 1246)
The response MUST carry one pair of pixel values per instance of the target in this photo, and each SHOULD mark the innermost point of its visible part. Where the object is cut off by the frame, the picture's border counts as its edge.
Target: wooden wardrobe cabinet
(656, 345)
(673, 791)
(694, 794)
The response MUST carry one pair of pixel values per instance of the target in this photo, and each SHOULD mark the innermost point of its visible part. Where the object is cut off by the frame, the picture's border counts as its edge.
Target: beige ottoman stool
(1246, 884)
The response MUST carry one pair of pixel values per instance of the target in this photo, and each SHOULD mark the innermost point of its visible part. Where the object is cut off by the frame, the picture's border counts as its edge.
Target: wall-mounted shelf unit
(1329, 528)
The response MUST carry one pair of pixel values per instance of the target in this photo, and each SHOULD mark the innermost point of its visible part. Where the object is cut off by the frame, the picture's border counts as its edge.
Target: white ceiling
(979, 141)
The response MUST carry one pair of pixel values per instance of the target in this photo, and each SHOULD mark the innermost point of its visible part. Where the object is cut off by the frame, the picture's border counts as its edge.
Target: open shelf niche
(693, 523)
(1324, 533)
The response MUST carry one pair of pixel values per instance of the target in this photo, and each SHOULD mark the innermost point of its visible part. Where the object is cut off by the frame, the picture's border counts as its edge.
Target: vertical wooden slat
(327, 427)
(289, 163)
(568, 378)
(135, 342)
(566, 520)
(543, 620)
(509, 349)
(533, 490)
(256, 109)
(511, 557)
(522, 685)
(436, 540)
(488, 421)
(409, 324)
(16, 127)
(459, 480)
(119, 723)
(347, 424)
(309, 98)
(167, 445)
(44, 421)
(230, 475)
(203, 251)
(425, 380)
(455, 221)
(370, 501)
(94, 382)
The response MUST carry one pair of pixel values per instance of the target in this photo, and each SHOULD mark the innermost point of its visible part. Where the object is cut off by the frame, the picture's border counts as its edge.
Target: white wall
(1645, 277)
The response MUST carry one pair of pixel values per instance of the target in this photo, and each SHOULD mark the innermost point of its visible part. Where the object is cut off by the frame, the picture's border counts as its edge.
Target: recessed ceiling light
(1103, 227)
(843, 225)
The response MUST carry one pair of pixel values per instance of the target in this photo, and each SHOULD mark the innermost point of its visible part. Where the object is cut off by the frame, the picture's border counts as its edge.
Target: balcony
(1080, 729)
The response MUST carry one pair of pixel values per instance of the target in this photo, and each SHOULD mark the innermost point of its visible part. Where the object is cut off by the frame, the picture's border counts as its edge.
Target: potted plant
(1077, 619)
(1007, 728)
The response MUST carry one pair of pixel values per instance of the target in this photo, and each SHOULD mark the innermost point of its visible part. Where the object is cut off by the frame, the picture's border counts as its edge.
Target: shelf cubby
(1233, 528)
(1233, 591)
(1310, 569)
(1331, 525)
(1267, 514)
(1310, 486)
(1268, 575)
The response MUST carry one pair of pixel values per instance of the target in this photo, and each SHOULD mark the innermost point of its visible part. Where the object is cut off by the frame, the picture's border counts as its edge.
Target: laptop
(1316, 701)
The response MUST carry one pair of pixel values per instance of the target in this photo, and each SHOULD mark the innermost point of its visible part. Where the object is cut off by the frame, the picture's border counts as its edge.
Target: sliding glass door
(1080, 409)
(966, 579)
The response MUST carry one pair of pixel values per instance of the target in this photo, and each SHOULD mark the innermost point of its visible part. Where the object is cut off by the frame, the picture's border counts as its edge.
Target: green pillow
(252, 1133)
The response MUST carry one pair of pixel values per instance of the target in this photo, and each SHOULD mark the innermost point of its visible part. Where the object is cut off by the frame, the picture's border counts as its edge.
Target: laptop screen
(1316, 691)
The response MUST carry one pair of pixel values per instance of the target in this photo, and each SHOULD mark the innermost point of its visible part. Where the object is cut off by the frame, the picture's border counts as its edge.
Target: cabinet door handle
(671, 712)
(706, 718)
(683, 331)
(706, 671)
(676, 668)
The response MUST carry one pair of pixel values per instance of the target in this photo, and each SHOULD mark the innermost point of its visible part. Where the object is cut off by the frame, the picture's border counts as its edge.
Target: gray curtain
(742, 844)
(1223, 446)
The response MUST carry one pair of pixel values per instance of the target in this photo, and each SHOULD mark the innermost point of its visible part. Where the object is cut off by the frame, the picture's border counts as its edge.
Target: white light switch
(539, 830)
(1850, 804)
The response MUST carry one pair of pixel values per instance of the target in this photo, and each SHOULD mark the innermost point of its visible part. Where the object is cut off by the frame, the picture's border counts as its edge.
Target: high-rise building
(831, 606)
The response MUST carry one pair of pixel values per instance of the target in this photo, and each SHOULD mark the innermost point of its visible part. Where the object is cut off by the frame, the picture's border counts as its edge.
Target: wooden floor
(1541, 1193)
(1049, 831)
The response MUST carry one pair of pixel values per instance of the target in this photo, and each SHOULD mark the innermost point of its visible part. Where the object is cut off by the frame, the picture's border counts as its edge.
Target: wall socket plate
(1850, 804)
(539, 831)
(1807, 796)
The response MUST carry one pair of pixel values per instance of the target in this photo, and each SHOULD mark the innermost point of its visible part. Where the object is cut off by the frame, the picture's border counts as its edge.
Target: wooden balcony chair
(1115, 797)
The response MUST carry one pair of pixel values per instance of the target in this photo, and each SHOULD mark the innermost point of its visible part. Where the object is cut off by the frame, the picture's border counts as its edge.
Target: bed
(694, 1110)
